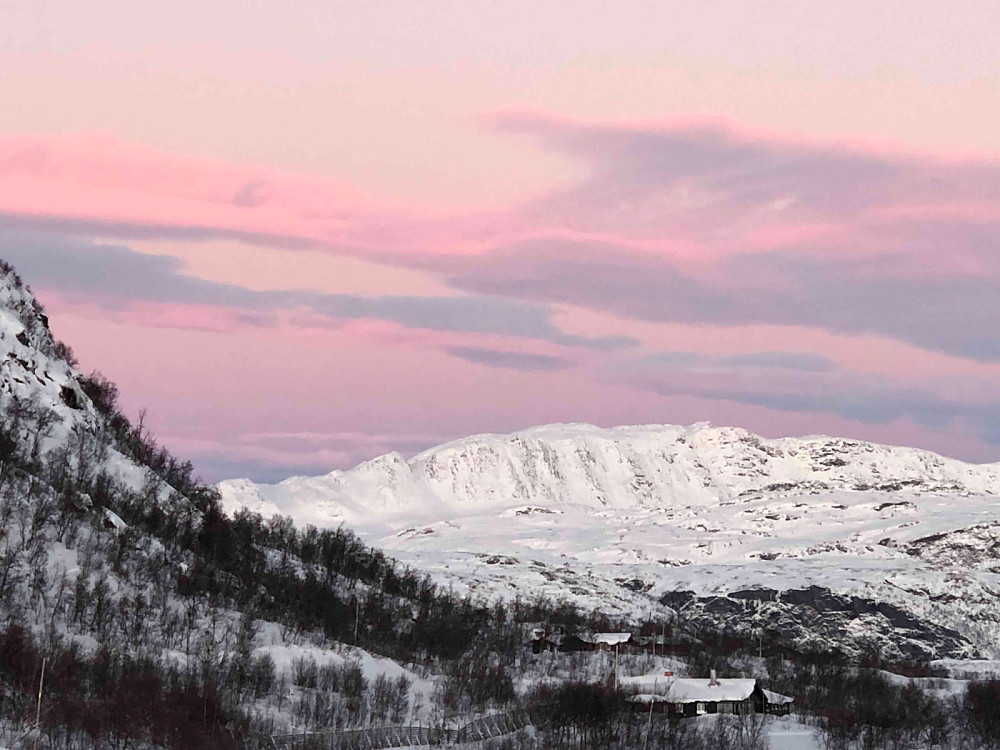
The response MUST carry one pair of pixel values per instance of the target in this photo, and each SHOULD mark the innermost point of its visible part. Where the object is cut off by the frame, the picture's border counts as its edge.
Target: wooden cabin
(774, 703)
(579, 642)
(689, 697)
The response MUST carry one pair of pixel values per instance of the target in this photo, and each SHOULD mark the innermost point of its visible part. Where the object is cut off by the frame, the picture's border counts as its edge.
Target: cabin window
(700, 708)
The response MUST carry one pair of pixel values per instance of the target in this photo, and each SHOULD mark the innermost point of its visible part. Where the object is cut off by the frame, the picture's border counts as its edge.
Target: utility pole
(38, 708)
(649, 722)
(357, 619)
(616, 666)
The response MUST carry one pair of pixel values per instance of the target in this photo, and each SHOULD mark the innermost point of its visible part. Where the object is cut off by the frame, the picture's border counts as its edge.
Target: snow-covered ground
(789, 733)
(969, 669)
(284, 655)
(783, 732)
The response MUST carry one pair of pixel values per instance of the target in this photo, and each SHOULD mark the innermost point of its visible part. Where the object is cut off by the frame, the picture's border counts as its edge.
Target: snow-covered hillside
(817, 537)
(108, 548)
(41, 398)
(32, 363)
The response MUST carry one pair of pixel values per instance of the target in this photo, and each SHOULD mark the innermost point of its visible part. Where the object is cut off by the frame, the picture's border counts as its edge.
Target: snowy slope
(54, 545)
(621, 518)
(30, 366)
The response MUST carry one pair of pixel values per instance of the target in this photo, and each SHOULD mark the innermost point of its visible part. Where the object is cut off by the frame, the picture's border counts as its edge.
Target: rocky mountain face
(58, 425)
(815, 539)
(33, 365)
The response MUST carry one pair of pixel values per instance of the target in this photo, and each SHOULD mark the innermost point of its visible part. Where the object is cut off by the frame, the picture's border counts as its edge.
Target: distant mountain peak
(650, 466)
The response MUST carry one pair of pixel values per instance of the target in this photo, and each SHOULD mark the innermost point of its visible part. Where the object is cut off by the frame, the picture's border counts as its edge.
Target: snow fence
(478, 730)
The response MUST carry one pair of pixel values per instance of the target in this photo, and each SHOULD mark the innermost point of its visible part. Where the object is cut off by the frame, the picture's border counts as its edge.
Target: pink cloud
(105, 163)
(688, 190)
(117, 187)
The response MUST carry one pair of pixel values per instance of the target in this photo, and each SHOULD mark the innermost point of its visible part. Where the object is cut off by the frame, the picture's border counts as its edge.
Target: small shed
(775, 703)
(113, 521)
(660, 703)
(576, 642)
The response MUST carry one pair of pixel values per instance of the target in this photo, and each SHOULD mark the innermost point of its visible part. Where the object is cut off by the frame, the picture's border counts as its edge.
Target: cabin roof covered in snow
(690, 690)
(777, 699)
(699, 689)
(687, 690)
(611, 639)
(648, 698)
(113, 519)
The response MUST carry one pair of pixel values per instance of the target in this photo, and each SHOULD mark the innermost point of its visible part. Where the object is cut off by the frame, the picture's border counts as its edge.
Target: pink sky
(305, 235)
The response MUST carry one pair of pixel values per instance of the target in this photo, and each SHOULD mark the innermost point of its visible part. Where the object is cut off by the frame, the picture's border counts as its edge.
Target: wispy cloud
(801, 382)
(802, 361)
(114, 275)
(891, 296)
(527, 361)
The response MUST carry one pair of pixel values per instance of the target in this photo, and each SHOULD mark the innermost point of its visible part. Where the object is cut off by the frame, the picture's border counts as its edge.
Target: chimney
(712, 679)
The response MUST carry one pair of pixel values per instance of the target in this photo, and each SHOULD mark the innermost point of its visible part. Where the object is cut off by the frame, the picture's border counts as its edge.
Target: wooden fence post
(38, 707)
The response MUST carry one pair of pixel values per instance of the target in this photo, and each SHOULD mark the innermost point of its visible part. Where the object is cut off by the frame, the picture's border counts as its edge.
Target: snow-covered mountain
(881, 547)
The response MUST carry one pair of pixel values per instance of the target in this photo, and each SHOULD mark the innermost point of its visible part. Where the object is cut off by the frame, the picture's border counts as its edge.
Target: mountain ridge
(826, 454)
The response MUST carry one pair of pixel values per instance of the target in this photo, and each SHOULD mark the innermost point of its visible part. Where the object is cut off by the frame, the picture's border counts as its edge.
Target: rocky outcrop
(817, 619)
